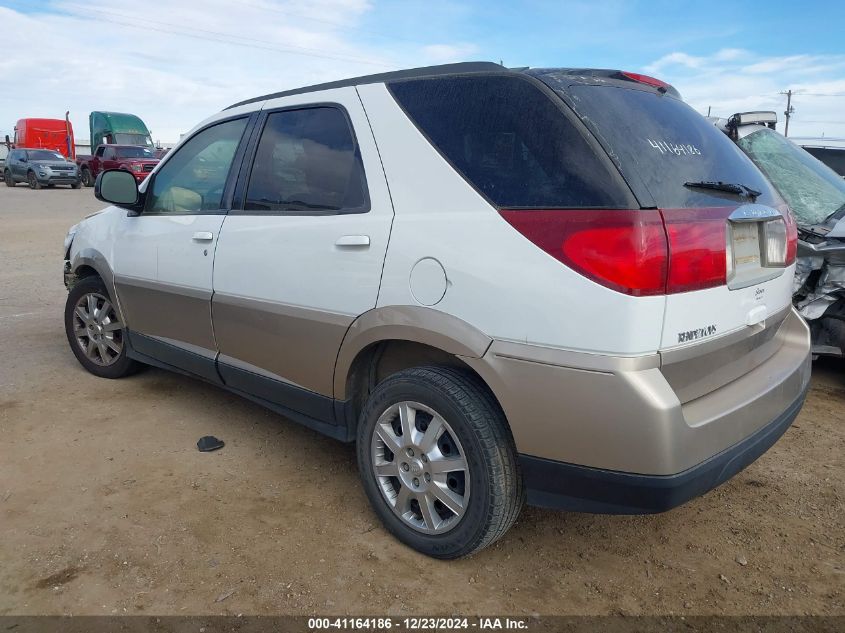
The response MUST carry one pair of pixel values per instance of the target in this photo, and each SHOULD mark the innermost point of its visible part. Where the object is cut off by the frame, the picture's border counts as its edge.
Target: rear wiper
(730, 187)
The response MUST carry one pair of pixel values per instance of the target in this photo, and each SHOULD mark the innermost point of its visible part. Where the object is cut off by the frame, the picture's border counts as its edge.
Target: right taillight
(791, 237)
(779, 239)
(775, 243)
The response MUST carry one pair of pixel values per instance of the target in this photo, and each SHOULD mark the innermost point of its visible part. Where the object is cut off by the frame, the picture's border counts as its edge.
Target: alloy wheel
(98, 331)
(420, 467)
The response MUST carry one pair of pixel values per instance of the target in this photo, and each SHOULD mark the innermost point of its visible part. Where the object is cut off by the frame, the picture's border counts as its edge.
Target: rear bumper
(562, 486)
(629, 423)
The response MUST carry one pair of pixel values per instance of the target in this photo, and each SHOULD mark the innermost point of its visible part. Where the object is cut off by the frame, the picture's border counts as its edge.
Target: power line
(225, 38)
(338, 25)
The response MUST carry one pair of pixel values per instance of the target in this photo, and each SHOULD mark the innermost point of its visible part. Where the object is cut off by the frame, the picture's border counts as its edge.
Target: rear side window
(511, 142)
(660, 143)
(307, 162)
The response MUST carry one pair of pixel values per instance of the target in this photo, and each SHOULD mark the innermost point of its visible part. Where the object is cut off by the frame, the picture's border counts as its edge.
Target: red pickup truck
(137, 160)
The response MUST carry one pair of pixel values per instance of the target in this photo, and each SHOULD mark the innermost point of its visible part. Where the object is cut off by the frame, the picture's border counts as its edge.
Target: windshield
(134, 152)
(43, 154)
(133, 139)
(812, 190)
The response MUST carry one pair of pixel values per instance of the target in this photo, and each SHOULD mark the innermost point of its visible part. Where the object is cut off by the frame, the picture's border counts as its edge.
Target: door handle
(203, 236)
(353, 240)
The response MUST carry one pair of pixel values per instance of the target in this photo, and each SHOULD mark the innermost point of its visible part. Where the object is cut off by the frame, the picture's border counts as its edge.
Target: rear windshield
(134, 152)
(133, 139)
(660, 143)
(512, 142)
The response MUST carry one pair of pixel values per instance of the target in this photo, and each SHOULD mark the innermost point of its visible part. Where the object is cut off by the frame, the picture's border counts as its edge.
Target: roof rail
(411, 73)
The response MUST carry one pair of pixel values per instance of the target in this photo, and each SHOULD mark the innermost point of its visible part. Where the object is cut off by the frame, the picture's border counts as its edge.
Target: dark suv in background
(39, 168)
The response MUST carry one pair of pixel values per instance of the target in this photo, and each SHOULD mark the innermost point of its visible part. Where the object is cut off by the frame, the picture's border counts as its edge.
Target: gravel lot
(107, 507)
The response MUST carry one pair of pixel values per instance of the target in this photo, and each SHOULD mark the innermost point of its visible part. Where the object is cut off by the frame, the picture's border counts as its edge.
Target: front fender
(95, 259)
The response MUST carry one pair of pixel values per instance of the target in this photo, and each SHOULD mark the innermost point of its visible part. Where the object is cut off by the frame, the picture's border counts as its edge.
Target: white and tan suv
(556, 284)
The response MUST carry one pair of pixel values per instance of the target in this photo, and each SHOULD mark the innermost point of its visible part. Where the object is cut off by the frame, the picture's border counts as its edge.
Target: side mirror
(117, 187)
(23, 159)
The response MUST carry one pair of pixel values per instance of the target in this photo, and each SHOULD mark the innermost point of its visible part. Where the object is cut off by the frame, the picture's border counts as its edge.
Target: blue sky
(179, 61)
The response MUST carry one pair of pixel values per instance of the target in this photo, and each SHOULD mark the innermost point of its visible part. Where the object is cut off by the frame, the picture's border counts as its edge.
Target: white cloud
(176, 63)
(446, 53)
(736, 80)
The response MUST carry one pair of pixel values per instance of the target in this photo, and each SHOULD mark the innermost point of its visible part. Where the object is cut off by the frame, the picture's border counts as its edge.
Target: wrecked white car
(816, 195)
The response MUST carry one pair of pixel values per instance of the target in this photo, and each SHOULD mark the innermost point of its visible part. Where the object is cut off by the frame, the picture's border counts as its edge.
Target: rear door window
(512, 142)
(659, 143)
(307, 163)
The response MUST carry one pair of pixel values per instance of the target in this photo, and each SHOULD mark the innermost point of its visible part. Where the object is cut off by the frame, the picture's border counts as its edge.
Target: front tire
(76, 185)
(96, 335)
(8, 178)
(438, 462)
(32, 179)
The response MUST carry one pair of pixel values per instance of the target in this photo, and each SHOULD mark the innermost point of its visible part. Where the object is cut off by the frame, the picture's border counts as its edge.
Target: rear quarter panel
(497, 280)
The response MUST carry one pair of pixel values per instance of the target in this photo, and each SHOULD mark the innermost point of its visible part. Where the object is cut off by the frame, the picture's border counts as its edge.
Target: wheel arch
(386, 340)
(88, 262)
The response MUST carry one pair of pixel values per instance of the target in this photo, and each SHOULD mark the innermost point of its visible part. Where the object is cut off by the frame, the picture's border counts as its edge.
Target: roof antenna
(501, 63)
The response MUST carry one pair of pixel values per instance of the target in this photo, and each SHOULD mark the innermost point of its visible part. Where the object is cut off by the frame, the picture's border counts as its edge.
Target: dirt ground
(106, 506)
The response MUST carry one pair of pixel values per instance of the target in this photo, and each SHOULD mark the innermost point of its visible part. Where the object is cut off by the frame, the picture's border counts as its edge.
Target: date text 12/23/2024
(416, 624)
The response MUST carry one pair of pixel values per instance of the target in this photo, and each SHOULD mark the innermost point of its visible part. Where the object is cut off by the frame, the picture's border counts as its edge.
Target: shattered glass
(813, 191)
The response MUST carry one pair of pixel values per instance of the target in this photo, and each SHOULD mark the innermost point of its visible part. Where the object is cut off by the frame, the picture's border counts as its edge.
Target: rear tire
(94, 331)
(449, 492)
(8, 178)
(32, 179)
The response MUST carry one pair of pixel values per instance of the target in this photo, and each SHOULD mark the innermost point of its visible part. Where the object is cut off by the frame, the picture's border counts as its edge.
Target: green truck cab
(118, 128)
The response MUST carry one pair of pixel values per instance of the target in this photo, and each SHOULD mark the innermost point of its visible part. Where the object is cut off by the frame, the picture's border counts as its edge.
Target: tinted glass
(660, 143)
(194, 178)
(813, 190)
(134, 152)
(43, 154)
(833, 158)
(133, 139)
(511, 141)
(307, 162)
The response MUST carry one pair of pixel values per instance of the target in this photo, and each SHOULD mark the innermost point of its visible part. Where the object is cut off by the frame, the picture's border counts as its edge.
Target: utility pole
(789, 110)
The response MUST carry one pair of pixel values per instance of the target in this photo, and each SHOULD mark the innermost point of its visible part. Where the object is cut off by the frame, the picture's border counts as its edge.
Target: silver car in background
(816, 195)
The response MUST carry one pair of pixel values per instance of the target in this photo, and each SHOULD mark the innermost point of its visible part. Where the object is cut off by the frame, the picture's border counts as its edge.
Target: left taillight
(697, 248)
(624, 250)
(638, 252)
